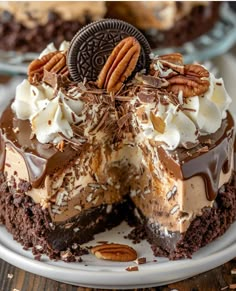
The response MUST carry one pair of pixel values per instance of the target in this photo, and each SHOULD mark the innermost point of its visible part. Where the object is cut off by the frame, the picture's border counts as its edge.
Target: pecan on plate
(114, 252)
(54, 62)
(120, 65)
(194, 81)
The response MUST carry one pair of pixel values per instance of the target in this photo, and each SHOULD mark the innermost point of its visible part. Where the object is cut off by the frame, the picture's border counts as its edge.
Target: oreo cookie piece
(93, 44)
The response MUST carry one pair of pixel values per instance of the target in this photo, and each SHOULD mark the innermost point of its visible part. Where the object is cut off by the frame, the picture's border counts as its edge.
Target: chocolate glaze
(40, 159)
(198, 161)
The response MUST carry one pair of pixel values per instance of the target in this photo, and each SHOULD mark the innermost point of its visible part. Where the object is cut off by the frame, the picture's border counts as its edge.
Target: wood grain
(13, 278)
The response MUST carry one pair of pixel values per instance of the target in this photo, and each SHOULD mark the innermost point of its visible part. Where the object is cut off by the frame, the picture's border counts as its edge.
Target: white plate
(96, 273)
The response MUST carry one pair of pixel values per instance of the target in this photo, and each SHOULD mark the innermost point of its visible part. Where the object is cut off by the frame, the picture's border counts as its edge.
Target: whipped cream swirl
(200, 115)
(50, 116)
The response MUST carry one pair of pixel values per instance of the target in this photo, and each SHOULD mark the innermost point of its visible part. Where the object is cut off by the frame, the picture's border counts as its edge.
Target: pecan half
(54, 62)
(193, 83)
(114, 252)
(120, 65)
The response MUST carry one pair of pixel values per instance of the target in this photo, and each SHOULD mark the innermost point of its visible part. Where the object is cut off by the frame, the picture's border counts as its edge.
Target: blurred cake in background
(167, 23)
(30, 26)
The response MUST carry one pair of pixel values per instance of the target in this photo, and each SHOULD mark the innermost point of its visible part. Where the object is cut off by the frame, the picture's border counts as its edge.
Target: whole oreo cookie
(92, 45)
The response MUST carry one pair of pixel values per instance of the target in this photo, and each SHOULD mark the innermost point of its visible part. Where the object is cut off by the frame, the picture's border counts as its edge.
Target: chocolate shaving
(123, 120)
(124, 98)
(204, 149)
(146, 98)
(100, 123)
(152, 81)
(55, 81)
(73, 141)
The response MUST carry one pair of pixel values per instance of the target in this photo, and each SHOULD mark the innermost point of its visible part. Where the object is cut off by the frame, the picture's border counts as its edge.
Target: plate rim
(119, 279)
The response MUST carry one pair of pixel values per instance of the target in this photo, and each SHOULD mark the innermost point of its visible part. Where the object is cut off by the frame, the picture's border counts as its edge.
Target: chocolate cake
(145, 139)
(167, 23)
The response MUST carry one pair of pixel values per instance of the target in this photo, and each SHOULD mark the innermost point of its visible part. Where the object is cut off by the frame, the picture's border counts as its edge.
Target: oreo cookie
(93, 44)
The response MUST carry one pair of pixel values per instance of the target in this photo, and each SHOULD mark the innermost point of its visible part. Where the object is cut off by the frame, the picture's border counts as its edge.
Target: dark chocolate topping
(92, 45)
(212, 155)
(40, 159)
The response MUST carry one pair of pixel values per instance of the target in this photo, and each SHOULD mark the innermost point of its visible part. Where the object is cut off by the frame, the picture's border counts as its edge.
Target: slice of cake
(167, 23)
(81, 151)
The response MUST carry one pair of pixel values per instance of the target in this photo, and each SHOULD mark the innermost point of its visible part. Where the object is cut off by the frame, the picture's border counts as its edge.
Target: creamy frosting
(51, 48)
(200, 115)
(49, 115)
(210, 109)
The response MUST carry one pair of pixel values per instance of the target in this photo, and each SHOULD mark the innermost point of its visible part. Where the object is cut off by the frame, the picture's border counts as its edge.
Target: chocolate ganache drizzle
(40, 159)
(208, 159)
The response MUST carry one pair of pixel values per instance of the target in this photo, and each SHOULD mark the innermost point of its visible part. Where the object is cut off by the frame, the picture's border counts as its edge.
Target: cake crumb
(233, 271)
(140, 261)
(132, 268)
(9, 276)
(37, 257)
